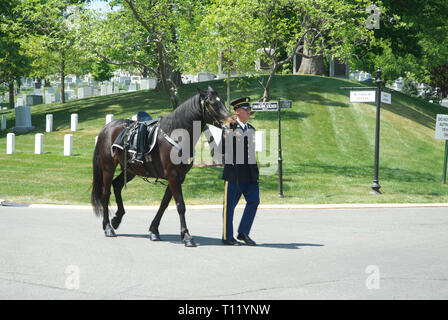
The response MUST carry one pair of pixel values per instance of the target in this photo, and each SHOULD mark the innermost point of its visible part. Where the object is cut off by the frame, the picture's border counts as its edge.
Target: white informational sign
(386, 97)
(442, 127)
(362, 96)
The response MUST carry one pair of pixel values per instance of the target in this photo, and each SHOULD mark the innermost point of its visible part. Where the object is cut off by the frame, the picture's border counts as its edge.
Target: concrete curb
(241, 206)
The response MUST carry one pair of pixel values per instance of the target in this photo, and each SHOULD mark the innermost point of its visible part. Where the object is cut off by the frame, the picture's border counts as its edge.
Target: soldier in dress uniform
(240, 175)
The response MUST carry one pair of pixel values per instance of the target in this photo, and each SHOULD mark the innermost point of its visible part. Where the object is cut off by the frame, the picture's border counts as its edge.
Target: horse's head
(214, 110)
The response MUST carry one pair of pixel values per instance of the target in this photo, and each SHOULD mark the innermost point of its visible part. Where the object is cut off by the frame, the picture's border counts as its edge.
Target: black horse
(206, 107)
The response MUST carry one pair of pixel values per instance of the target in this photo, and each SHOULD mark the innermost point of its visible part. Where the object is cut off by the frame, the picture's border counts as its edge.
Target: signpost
(442, 134)
(275, 106)
(373, 96)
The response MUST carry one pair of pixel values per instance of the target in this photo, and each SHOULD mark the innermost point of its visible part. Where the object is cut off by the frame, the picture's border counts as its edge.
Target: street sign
(386, 97)
(271, 105)
(362, 96)
(442, 127)
(285, 104)
(264, 106)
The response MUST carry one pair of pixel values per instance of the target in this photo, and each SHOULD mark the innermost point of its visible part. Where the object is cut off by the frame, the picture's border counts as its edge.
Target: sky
(99, 5)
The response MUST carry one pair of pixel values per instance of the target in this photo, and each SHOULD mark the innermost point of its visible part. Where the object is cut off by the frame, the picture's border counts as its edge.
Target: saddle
(139, 138)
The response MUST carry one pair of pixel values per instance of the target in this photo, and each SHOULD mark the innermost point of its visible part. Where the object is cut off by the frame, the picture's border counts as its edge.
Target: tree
(48, 29)
(13, 63)
(218, 36)
(141, 34)
(411, 38)
(439, 79)
(311, 28)
(102, 71)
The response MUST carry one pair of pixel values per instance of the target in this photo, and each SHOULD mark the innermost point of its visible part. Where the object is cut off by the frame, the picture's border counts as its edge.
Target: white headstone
(74, 122)
(109, 118)
(444, 102)
(205, 76)
(106, 89)
(85, 92)
(3, 122)
(68, 144)
(148, 83)
(49, 98)
(49, 123)
(10, 143)
(39, 143)
(96, 140)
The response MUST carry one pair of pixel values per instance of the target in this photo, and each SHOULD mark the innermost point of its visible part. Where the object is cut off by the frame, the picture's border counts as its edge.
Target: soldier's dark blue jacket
(240, 168)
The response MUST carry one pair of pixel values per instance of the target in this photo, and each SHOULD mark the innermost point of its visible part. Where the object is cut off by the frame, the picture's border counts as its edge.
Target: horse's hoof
(189, 243)
(115, 222)
(109, 232)
(154, 236)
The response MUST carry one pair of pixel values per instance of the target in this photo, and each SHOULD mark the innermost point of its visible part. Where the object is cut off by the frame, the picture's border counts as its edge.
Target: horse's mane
(183, 115)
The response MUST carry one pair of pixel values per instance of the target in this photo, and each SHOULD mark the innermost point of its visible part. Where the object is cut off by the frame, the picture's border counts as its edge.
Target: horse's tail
(97, 183)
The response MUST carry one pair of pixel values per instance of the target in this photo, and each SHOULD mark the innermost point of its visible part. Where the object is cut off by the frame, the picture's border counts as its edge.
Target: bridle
(206, 111)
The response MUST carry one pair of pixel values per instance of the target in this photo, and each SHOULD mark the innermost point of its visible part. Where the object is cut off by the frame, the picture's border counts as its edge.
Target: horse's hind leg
(118, 184)
(107, 181)
(154, 228)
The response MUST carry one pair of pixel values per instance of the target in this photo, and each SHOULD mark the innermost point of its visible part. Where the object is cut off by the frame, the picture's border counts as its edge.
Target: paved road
(61, 253)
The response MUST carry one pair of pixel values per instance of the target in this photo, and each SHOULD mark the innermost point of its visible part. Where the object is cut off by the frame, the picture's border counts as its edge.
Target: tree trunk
(312, 65)
(228, 89)
(63, 79)
(11, 94)
(267, 89)
(170, 89)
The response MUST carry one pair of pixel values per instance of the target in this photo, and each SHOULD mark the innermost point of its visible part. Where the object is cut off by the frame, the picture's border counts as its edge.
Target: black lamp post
(375, 185)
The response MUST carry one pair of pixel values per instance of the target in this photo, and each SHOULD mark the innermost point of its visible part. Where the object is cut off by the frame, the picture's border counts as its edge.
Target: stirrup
(135, 160)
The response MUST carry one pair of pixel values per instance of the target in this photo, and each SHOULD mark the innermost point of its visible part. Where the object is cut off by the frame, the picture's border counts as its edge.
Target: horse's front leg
(154, 228)
(175, 185)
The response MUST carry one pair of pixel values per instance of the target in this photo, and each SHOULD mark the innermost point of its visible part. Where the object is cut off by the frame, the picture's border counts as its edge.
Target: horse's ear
(202, 92)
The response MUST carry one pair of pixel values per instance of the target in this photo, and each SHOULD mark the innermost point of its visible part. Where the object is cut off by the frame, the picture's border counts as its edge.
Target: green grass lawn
(328, 148)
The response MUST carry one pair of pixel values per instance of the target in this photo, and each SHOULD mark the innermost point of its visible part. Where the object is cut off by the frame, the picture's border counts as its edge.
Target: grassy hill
(328, 148)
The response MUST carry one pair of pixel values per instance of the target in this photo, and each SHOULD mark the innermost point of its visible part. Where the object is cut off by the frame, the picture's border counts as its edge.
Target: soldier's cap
(241, 103)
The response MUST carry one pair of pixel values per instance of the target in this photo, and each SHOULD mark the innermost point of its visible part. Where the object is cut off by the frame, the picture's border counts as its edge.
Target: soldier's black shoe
(231, 242)
(246, 239)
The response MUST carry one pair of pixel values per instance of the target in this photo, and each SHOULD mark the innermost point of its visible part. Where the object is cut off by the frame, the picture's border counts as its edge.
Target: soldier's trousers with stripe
(232, 195)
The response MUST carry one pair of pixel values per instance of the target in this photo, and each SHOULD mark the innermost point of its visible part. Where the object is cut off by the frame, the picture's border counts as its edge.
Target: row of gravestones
(53, 94)
(39, 137)
(39, 144)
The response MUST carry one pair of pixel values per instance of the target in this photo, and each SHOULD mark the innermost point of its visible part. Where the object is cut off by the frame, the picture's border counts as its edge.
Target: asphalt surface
(379, 253)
